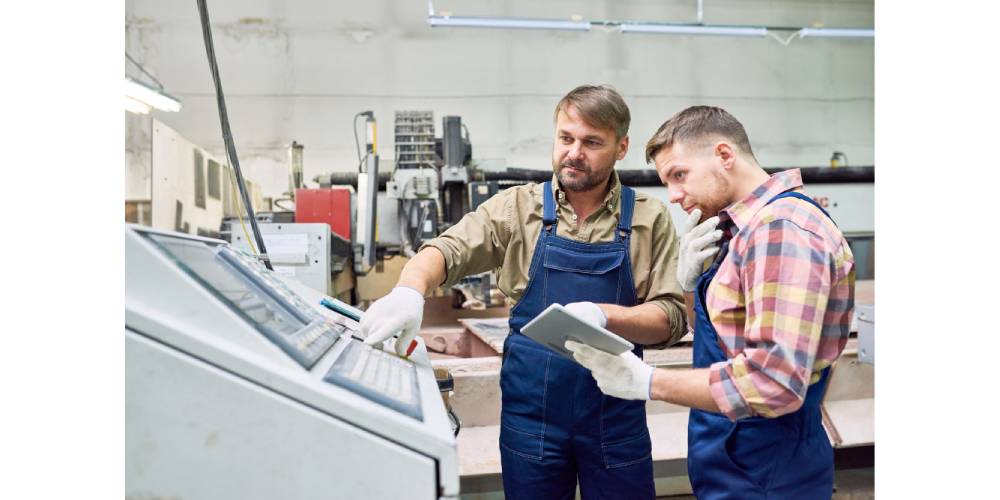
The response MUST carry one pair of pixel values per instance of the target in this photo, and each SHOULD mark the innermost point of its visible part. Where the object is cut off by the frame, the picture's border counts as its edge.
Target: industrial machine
(373, 215)
(430, 178)
(435, 182)
(241, 383)
(299, 251)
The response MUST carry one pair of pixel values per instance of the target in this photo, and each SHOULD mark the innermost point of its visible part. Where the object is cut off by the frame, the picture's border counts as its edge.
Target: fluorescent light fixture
(150, 96)
(508, 23)
(135, 106)
(837, 33)
(684, 29)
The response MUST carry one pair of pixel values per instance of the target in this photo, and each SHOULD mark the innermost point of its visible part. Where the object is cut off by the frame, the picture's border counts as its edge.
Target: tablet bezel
(553, 326)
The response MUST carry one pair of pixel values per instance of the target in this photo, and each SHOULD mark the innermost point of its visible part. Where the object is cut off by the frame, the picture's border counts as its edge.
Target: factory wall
(299, 70)
(138, 156)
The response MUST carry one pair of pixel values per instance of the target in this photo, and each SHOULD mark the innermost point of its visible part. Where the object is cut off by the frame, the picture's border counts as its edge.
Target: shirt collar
(610, 199)
(742, 211)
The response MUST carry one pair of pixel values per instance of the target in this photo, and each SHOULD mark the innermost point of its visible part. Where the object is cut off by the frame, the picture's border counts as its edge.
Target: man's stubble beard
(718, 202)
(586, 183)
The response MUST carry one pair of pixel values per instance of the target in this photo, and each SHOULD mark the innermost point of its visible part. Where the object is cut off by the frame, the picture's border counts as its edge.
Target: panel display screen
(201, 259)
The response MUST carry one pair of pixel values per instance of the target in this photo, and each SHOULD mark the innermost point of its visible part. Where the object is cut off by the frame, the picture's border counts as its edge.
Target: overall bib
(756, 457)
(556, 425)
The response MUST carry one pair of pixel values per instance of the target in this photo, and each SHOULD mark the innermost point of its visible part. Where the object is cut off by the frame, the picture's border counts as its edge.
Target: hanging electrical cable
(227, 135)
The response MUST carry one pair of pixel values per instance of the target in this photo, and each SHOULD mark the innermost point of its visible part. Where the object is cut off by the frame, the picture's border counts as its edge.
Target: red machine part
(329, 205)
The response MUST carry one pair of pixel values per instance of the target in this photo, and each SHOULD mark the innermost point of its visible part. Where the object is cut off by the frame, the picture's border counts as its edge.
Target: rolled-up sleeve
(478, 241)
(787, 274)
(664, 290)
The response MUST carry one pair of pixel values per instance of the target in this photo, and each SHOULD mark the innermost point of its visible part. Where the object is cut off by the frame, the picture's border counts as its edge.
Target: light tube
(150, 96)
(680, 29)
(837, 33)
(135, 106)
(512, 23)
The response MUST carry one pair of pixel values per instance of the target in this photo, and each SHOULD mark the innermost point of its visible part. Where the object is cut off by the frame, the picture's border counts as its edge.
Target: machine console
(251, 291)
(245, 285)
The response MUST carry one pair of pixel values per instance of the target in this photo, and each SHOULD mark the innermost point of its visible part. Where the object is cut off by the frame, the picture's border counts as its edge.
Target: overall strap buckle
(548, 206)
(627, 201)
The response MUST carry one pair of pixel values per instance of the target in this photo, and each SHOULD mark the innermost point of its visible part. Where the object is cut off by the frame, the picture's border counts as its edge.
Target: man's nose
(575, 151)
(674, 195)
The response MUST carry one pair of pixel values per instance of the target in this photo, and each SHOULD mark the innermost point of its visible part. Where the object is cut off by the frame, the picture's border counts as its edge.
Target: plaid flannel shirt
(781, 301)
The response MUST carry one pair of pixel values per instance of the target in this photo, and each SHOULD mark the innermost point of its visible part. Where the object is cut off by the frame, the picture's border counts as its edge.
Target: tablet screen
(555, 325)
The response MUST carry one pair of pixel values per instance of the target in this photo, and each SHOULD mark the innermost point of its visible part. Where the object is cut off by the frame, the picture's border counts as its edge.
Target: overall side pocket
(523, 390)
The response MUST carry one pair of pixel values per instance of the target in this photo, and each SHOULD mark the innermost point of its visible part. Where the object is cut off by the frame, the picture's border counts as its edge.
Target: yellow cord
(239, 210)
(375, 152)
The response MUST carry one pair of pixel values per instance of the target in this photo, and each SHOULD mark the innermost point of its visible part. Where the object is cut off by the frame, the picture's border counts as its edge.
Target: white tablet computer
(555, 325)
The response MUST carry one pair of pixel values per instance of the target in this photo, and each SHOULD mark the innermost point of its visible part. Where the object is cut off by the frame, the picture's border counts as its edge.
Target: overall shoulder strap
(794, 194)
(548, 205)
(627, 209)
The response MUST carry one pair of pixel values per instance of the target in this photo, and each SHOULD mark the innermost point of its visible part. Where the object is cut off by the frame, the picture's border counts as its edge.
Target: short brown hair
(698, 124)
(600, 106)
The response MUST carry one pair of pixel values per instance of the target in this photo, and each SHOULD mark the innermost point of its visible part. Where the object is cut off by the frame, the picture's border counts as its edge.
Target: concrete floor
(855, 484)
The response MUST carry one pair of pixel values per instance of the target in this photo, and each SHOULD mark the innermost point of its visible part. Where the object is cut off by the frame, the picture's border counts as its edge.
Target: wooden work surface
(492, 331)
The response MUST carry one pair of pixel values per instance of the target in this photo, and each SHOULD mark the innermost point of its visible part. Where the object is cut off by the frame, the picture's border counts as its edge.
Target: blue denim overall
(785, 457)
(556, 425)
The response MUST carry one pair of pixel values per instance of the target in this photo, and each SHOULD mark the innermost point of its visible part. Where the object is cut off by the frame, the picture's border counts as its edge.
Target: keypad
(379, 375)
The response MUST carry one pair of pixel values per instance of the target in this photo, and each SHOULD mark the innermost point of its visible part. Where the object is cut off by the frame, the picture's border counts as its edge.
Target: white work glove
(589, 312)
(623, 376)
(400, 311)
(697, 244)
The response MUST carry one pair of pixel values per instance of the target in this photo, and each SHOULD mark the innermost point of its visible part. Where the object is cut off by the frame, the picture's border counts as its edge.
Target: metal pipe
(629, 177)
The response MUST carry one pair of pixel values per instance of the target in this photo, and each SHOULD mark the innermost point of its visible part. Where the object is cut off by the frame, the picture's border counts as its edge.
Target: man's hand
(623, 376)
(589, 312)
(400, 311)
(697, 244)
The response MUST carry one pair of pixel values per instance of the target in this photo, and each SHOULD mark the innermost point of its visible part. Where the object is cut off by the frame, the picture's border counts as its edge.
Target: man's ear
(726, 155)
(622, 148)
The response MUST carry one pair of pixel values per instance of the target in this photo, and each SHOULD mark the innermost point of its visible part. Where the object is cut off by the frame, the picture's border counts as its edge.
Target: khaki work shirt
(502, 233)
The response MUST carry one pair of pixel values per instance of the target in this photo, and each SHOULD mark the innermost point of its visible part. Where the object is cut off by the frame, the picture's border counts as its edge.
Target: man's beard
(716, 200)
(584, 182)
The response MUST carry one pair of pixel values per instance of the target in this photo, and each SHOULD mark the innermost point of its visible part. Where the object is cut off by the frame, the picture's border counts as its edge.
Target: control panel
(246, 286)
(243, 380)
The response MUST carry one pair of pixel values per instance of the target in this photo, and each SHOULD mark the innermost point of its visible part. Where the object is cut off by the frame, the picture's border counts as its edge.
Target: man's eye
(678, 176)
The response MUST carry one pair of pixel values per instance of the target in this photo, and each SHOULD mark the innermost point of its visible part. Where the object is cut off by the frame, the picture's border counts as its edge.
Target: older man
(582, 239)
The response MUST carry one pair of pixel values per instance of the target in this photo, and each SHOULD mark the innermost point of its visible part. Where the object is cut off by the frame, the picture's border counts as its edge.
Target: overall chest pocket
(573, 276)
(582, 262)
